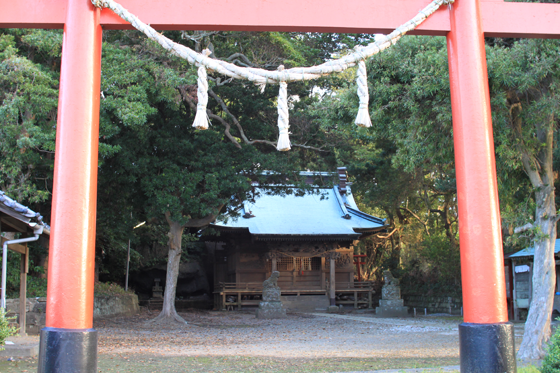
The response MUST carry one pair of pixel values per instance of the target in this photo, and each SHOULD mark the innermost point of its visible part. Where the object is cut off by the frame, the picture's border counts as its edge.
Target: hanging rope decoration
(283, 116)
(261, 77)
(201, 120)
(363, 119)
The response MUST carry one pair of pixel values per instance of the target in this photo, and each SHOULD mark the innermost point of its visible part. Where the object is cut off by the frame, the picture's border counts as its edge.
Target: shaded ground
(238, 342)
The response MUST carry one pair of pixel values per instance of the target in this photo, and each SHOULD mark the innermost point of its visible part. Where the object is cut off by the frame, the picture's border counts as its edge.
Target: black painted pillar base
(487, 348)
(68, 351)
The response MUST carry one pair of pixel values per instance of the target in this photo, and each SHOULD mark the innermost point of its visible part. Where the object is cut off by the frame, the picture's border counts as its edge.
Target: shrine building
(308, 238)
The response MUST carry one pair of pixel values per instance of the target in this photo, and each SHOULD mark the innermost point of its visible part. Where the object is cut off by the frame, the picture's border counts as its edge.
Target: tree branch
(168, 218)
(387, 236)
(425, 224)
(198, 223)
(530, 165)
(219, 81)
(523, 228)
(246, 62)
(211, 115)
(242, 133)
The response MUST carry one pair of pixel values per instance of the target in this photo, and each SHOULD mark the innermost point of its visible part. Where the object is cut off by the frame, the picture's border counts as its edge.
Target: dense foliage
(406, 160)
(36, 285)
(154, 167)
(551, 362)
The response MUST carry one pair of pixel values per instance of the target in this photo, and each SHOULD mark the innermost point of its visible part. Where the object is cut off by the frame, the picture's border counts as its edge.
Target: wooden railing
(240, 286)
(355, 285)
(229, 295)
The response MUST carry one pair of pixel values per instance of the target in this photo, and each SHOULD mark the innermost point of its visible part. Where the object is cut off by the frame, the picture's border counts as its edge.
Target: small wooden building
(309, 239)
(519, 273)
(16, 218)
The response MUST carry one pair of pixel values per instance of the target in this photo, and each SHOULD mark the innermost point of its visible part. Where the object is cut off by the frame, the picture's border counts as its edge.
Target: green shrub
(109, 289)
(5, 329)
(551, 362)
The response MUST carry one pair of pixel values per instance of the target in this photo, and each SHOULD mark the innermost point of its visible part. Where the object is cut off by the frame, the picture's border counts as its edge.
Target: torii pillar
(486, 336)
(69, 344)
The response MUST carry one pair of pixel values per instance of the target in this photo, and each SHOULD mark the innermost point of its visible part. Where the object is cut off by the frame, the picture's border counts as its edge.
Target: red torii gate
(69, 343)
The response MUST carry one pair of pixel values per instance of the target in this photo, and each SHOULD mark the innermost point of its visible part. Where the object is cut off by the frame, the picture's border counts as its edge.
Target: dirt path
(298, 336)
(304, 343)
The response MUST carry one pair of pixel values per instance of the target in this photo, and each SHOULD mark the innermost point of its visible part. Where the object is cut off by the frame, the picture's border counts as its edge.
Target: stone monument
(157, 290)
(391, 304)
(271, 306)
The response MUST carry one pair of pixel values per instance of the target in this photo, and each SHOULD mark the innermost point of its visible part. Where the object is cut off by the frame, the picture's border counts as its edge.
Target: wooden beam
(10, 224)
(22, 249)
(15, 220)
(23, 292)
(505, 19)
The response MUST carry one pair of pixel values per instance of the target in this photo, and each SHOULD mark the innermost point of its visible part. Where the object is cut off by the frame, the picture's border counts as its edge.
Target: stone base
(395, 311)
(270, 310)
(333, 309)
(388, 303)
(305, 303)
(20, 347)
(487, 347)
(67, 350)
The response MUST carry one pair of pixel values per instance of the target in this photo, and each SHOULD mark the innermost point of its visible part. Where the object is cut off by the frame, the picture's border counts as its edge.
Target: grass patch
(143, 364)
(528, 369)
(135, 363)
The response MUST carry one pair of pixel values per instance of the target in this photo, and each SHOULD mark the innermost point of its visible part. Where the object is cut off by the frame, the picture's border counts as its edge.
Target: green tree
(166, 171)
(410, 107)
(403, 165)
(28, 102)
(525, 84)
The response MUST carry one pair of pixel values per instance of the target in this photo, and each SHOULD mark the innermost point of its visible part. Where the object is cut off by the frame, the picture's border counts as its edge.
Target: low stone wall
(433, 304)
(35, 313)
(124, 305)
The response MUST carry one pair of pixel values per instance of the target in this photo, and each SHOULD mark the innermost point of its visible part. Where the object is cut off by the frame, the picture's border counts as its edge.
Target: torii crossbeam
(69, 344)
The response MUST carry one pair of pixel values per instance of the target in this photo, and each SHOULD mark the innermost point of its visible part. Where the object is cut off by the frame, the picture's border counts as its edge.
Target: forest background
(154, 167)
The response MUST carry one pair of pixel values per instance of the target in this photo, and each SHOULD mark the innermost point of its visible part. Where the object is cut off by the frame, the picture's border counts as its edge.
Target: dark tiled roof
(22, 213)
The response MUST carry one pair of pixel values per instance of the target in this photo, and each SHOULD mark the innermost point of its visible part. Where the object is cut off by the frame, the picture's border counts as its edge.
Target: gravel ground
(239, 333)
(237, 342)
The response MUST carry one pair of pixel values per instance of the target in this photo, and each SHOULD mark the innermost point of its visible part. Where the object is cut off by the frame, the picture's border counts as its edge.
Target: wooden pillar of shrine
(332, 282)
(24, 269)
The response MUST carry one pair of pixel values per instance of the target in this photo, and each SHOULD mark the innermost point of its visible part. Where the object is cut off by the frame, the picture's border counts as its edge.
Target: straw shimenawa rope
(262, 77)
(201, 120)
(283, 116)
(362, 119)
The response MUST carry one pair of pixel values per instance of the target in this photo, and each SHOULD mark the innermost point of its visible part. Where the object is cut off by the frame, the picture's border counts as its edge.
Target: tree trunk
(537, 327)
(168, 312)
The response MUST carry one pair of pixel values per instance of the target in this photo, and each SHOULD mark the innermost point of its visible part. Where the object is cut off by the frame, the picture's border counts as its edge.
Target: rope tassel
(201, 120)
(283, 117)
(363, 119)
